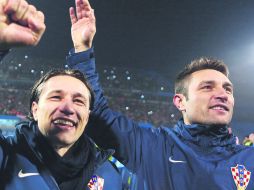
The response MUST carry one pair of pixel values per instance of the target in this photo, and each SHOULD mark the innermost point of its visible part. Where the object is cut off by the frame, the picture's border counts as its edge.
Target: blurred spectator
(249, 140)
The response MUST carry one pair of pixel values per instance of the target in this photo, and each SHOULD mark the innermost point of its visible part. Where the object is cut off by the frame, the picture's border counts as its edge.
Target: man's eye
(55, 97)
(229, 90)
(207, 87)
(80, 102)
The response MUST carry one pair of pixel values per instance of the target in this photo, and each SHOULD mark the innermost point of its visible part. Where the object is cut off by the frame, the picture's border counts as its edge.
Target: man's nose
(222, 95)
(66, 107)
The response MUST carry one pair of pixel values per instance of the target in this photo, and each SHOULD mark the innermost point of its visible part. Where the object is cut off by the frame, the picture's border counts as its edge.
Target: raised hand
(21, 24)
(83, 25)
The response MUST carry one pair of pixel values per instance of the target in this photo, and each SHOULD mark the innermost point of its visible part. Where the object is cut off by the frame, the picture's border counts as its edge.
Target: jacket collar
(205, 135)
(27, 133)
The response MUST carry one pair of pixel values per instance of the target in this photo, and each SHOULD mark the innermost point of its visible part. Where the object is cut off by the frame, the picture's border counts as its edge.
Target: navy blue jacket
(187, 157)
(22, 167)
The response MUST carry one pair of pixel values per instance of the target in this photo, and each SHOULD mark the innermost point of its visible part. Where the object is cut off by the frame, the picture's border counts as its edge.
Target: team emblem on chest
(96, 183)
(241, 176)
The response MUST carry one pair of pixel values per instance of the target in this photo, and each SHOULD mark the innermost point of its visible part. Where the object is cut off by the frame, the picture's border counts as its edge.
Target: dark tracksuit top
(187, 157)
(22, 167)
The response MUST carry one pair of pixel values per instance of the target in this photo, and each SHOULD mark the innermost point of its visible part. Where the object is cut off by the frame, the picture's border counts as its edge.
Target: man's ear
(34, 110)
(179, 101)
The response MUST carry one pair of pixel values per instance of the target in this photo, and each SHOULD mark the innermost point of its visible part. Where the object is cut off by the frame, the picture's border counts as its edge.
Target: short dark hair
(38, 86)
(181, 86)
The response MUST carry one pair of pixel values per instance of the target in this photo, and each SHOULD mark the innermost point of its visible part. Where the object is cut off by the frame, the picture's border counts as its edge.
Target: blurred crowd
(143, 95)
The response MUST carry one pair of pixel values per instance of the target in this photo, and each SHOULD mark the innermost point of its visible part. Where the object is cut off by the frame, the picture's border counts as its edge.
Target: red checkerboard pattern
(96, 183)
(246, 176)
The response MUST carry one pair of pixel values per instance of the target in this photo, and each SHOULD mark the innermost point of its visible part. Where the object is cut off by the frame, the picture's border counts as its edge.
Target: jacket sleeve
(2, 139)
(3, 155)
(1, 152)
(109, 129)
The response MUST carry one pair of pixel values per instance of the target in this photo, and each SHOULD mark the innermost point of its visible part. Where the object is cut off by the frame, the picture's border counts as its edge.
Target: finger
(41, 16)
(85, 11)
(31, 13)
(89, 15)
(78, 9)
(73, 17)
(11, 6)
(39, 34)
(86, 4)
(19, 35)
(23, 8)
(37, 18)
(3, 4)
(36, 23)
(3, 16)
(86, 8)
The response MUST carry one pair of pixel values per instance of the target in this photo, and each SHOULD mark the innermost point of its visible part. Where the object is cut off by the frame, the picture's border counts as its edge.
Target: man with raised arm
(198, 153)
(50, 151)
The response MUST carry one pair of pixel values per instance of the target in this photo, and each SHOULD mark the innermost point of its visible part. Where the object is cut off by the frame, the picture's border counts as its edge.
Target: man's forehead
(209, 75)
(64, 83)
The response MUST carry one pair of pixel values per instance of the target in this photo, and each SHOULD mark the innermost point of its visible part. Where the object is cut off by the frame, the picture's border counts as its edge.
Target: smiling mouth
(64, 122)
(220, 108)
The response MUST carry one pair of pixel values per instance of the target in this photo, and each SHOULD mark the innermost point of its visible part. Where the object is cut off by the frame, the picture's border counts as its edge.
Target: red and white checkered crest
(241, 176)
(96, 183)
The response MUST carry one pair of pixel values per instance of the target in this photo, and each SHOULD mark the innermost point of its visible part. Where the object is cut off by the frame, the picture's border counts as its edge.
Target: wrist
(83, 47)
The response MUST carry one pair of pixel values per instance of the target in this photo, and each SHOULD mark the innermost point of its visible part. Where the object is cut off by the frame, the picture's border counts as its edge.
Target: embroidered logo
(241, 176)
(96, 183)
(21, 174)
(175, 161)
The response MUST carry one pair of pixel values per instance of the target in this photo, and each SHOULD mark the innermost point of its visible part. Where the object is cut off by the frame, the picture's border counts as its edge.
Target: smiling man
(204, 94)
(198, 153)
(62, 113)
(51, 150)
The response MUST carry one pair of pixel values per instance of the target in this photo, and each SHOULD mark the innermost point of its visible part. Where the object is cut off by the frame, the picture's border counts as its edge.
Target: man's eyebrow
(55, 91)
(213, 82)
(206, 82)
(79, 95)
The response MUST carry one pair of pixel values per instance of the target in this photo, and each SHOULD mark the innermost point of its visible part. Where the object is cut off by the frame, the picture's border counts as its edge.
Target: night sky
(162, 35)
(156, 34)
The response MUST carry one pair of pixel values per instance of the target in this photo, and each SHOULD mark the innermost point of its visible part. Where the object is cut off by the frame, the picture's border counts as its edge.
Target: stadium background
(140, 46)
